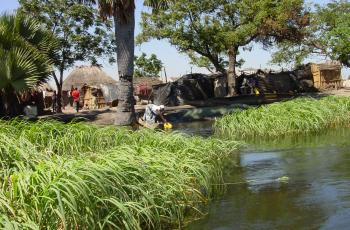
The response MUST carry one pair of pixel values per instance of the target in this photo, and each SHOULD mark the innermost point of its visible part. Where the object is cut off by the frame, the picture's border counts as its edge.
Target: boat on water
(149, 125)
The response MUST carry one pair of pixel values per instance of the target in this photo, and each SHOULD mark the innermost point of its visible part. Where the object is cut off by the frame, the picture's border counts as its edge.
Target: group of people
(74, 96)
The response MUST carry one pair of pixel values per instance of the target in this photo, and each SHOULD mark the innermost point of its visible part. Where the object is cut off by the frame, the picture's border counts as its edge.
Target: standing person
(76, 98)
(70, 97)
(54, 102)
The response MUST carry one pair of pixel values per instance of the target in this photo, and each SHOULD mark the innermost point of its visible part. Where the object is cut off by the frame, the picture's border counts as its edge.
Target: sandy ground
(339, 92)
(106, 116)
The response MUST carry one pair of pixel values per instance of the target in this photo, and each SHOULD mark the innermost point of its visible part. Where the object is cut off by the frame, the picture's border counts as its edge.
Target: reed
(302, 115)
(79, 176)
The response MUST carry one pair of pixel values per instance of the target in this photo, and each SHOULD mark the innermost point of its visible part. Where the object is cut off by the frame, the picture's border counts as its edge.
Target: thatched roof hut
(149, 81)
(143, 86)
(92, 76)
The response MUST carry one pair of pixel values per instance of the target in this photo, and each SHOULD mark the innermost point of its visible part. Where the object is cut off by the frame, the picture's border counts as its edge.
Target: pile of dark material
(190, 87)
(197, 87)
(297, 81)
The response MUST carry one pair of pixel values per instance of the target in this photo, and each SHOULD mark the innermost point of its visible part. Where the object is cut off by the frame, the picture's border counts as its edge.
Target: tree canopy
(216, 29)
(328, 35)
(147, 67)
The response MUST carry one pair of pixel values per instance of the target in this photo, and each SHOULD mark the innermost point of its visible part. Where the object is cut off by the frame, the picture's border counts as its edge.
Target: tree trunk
(59, 83)
(215, 62)
(59, 99)
(231, 75)
(124, 33)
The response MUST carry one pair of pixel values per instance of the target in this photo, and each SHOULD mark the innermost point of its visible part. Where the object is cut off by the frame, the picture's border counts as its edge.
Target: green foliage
(303, 115)
(81, 33)
(147, 67)
(328, 35)
(24, 51)
(56, 176)
(210, 28)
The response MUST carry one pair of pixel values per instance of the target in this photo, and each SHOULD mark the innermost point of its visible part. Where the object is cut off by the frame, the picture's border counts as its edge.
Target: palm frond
(25, 50)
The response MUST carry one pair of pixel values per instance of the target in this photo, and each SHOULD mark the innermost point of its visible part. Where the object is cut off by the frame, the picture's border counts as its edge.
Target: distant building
(326, 75)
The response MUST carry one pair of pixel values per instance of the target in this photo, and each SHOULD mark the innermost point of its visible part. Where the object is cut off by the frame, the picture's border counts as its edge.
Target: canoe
(149, 125)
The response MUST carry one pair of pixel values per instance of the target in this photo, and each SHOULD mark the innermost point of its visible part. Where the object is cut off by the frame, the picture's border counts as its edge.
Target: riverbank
(302, 115)
(67, 176)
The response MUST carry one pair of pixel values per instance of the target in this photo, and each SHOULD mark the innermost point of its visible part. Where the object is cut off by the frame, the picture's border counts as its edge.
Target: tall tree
(123, 13)
(25, 48)
(216, 29)
(147, 67)
(328, 35)
(82, 35)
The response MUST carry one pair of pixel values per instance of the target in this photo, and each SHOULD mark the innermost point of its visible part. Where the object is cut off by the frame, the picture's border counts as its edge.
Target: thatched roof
(89, 75)
(149, 81)
(329, 65)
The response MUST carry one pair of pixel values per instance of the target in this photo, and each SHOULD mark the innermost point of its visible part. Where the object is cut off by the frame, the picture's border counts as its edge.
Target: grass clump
(302, 115)
(78, 176)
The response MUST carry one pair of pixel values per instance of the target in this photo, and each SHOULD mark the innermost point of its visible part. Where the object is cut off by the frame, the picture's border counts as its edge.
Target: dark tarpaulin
(195, 87)
(190, 87)
(299, 80)
(165, 94)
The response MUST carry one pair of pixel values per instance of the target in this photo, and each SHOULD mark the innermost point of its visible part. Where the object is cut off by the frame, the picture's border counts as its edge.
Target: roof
(89, 75)
(149, 81)
(329, 66)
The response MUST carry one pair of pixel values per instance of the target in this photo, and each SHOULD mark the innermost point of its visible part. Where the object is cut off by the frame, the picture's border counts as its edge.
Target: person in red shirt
(76, 98)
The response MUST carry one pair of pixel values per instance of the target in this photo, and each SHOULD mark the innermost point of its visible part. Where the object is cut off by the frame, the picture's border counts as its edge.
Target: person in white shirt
(153, 113)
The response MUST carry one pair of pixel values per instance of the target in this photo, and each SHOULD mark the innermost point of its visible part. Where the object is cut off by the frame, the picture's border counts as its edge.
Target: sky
(177, 64)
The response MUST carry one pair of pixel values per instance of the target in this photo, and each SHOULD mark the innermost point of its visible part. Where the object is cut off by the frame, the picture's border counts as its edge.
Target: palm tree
(123, 13)
(25, 48)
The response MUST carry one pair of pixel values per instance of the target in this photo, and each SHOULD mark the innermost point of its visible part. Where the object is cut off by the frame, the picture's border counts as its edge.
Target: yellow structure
(326, 75)
(92, 98)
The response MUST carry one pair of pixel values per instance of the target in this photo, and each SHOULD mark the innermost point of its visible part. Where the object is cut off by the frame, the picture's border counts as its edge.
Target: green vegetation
(214, 31)
(328, 34)
(297, 116)
(147, 67)
(25, 48)
(58, 176)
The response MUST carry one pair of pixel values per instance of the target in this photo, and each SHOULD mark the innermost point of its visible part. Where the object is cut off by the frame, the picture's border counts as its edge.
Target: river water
(293, 183)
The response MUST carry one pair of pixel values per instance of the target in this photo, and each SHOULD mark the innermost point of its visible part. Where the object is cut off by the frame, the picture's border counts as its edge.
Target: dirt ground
(106, 116)
(339, 92)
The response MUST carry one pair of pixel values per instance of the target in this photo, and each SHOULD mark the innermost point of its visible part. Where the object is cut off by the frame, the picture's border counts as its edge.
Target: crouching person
(153, 114)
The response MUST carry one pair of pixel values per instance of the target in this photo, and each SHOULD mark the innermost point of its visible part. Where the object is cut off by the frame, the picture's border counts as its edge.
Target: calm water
(296, 183)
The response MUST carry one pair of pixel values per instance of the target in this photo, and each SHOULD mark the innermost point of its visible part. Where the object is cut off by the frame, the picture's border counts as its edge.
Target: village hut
(143, 87)
(97, 89)
(326, 75)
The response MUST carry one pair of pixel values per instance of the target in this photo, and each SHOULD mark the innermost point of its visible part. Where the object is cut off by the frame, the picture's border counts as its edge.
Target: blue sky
(177, 64)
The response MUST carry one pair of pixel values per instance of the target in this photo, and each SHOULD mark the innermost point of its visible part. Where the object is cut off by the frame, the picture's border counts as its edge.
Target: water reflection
(316, 196)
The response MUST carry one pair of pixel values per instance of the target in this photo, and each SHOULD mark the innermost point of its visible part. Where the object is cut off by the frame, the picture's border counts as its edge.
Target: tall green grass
(303, 115)
(78, 176)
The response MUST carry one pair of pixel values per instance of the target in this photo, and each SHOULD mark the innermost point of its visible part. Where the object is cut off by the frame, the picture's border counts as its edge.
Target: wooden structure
(326, 75)
(92, 98)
